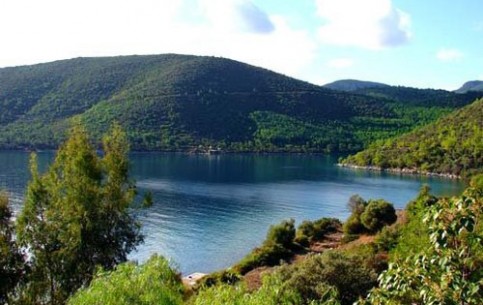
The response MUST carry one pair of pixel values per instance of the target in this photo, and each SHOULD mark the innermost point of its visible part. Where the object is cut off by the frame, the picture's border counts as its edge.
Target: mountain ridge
(179, 102)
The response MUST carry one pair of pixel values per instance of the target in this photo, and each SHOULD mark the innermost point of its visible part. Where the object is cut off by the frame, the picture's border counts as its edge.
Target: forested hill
(179, 102)
(475, 85)
(453, 144)
(353, 85)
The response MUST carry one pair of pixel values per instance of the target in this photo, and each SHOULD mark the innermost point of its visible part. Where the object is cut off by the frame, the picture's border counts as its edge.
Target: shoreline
(401, 171)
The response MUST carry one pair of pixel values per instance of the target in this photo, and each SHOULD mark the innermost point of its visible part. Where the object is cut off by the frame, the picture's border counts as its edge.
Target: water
(209, 211)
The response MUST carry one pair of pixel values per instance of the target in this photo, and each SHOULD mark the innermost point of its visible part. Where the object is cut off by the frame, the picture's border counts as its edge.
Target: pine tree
(11, 258)
(76, 216)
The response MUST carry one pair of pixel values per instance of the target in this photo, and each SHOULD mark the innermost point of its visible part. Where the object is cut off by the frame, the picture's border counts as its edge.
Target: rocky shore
(402, 171)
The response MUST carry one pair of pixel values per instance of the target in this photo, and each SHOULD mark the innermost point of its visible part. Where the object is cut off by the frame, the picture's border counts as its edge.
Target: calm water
(209, 211)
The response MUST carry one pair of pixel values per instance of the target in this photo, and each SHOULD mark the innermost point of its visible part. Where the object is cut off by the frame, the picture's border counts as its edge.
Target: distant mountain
(353, 85)
(452, 145)
(475, 85)
(420, 97)
(181, 102)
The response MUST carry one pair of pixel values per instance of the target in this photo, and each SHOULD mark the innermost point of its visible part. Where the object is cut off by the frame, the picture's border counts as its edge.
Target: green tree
(76, 216)
(282, 234)
(11, 258)
(377, 214)
(449, 272)
(153, 282)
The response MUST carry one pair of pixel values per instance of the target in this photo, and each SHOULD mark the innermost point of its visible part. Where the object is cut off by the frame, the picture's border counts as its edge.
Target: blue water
(209, 211)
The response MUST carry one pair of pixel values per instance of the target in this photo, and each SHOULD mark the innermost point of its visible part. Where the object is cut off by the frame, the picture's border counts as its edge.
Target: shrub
(302, 240)
(309, 231)
(356, 204)
(222, 277)
(387, 238)
(272, 292)
(267, 255)
(306, 228)
(325, 226)
(316, 276)
(282, 234)
(154, 282)
(448, 271)
(353, 225)
(377, 214)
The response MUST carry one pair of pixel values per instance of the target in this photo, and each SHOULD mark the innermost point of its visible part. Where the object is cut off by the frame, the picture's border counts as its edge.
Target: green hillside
(179, 102)
(353, 85)
(475, 85)
(452, 145)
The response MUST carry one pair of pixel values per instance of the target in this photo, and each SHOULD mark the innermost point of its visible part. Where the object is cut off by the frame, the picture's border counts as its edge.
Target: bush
(222, 277)
(154, 282)
(316, 276)
(282, 234)
(302, 240)
(325, 226)
(306, 228)
(387, 238)
(272, 292)
(377, 214)
(267, 255)
(353, 225)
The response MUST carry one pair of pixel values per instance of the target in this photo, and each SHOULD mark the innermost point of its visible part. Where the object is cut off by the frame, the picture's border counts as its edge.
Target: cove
(211, 210)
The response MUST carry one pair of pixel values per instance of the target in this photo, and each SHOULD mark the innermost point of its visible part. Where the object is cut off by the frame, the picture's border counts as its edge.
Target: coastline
(401, 171)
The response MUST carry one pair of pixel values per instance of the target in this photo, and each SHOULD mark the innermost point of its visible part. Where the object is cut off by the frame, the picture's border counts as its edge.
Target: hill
(452, 145)
(475, 85)
(179, 102)
(353, 85)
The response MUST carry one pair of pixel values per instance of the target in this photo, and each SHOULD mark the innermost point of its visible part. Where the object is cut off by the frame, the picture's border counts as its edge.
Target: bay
(210, 211)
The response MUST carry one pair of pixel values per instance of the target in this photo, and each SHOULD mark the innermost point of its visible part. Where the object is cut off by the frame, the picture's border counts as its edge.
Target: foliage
(153, 282)
(377, 214)
(276, 247)
(281, 234)
(449, 272)
(368, 216)
(11, 257)
(347, 275)
(353, 225)
(452, 145)
(176, 102)
(271, 293)
(221, 277)
(388, 238)
(310, 231)
(414, 235)
(76, 217)
(266, 255)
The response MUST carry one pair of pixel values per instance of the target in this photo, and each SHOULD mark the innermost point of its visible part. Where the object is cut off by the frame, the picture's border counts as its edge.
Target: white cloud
(241, 15)
(448, 55)
(370, 24)
(340, 63)
(34, 31)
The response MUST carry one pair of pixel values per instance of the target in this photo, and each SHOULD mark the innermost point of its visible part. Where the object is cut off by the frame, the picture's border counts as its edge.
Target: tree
(282, 234)
(153, 282)
(11, 258)
(377, 214)
(76, 216)
(449, 272)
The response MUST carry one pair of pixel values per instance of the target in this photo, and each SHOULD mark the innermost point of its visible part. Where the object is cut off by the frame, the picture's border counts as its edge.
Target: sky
(417, 43)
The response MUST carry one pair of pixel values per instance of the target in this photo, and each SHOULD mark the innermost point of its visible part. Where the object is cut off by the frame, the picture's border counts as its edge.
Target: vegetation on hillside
(178, 102)
(453, 145)
(353, 85)
(475, 85)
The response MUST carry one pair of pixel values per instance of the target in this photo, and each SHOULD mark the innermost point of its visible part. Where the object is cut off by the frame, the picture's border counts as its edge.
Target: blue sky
(426, 44)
